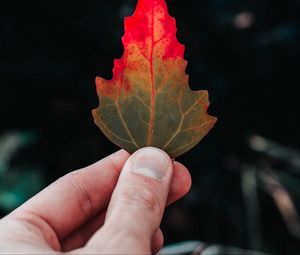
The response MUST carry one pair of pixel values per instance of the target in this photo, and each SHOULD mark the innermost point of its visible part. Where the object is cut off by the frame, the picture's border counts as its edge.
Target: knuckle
(84, 200)
(142, 197)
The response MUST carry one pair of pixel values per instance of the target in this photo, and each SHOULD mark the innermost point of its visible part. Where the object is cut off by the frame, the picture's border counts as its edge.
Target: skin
(104, 208)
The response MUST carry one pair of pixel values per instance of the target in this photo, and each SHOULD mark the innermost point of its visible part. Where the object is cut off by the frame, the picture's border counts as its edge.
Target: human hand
(99, 209)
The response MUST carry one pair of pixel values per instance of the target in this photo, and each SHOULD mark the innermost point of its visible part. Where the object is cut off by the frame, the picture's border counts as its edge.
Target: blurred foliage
(17, 183)
(246, 53)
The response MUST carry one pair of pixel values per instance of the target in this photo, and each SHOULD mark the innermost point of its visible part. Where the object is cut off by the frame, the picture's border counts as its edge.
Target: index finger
(76, 197)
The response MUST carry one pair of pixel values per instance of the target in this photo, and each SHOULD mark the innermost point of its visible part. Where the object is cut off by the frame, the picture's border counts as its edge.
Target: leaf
(149, 102)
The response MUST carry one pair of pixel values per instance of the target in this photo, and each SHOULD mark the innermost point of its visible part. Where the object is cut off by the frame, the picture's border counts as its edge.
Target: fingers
(79, 238)
(141, 192)
(157, 241)
(138, 201)
(180, 185)
(73, 199)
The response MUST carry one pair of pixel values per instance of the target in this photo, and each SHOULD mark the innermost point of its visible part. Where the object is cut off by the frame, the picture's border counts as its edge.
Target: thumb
(139, 199)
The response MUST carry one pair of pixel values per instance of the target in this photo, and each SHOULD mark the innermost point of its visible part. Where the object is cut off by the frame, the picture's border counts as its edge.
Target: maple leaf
(148, 102)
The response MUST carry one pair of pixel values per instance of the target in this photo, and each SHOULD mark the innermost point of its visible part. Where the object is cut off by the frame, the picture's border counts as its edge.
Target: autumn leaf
(148, 102)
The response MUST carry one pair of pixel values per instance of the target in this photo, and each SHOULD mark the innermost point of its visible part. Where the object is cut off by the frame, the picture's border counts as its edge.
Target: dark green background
(51, 51)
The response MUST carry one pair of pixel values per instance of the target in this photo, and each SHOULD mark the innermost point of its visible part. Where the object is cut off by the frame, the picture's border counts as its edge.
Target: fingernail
(150, 162)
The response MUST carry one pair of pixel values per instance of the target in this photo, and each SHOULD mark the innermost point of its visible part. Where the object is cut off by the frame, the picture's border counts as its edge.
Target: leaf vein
(160, 39)
(124, 124)
(153, 89)
(194, 128)
(114, 134)
(193, 106)
(164, 82)
(182, 118)
(143, 102)
(143, 54)
(181, 147)
(180, 124)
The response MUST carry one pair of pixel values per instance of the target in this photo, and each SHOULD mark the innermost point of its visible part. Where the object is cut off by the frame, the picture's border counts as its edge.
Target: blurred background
(246, 172)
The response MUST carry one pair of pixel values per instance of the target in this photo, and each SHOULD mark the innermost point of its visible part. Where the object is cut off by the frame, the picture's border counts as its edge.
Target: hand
(99, 209)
